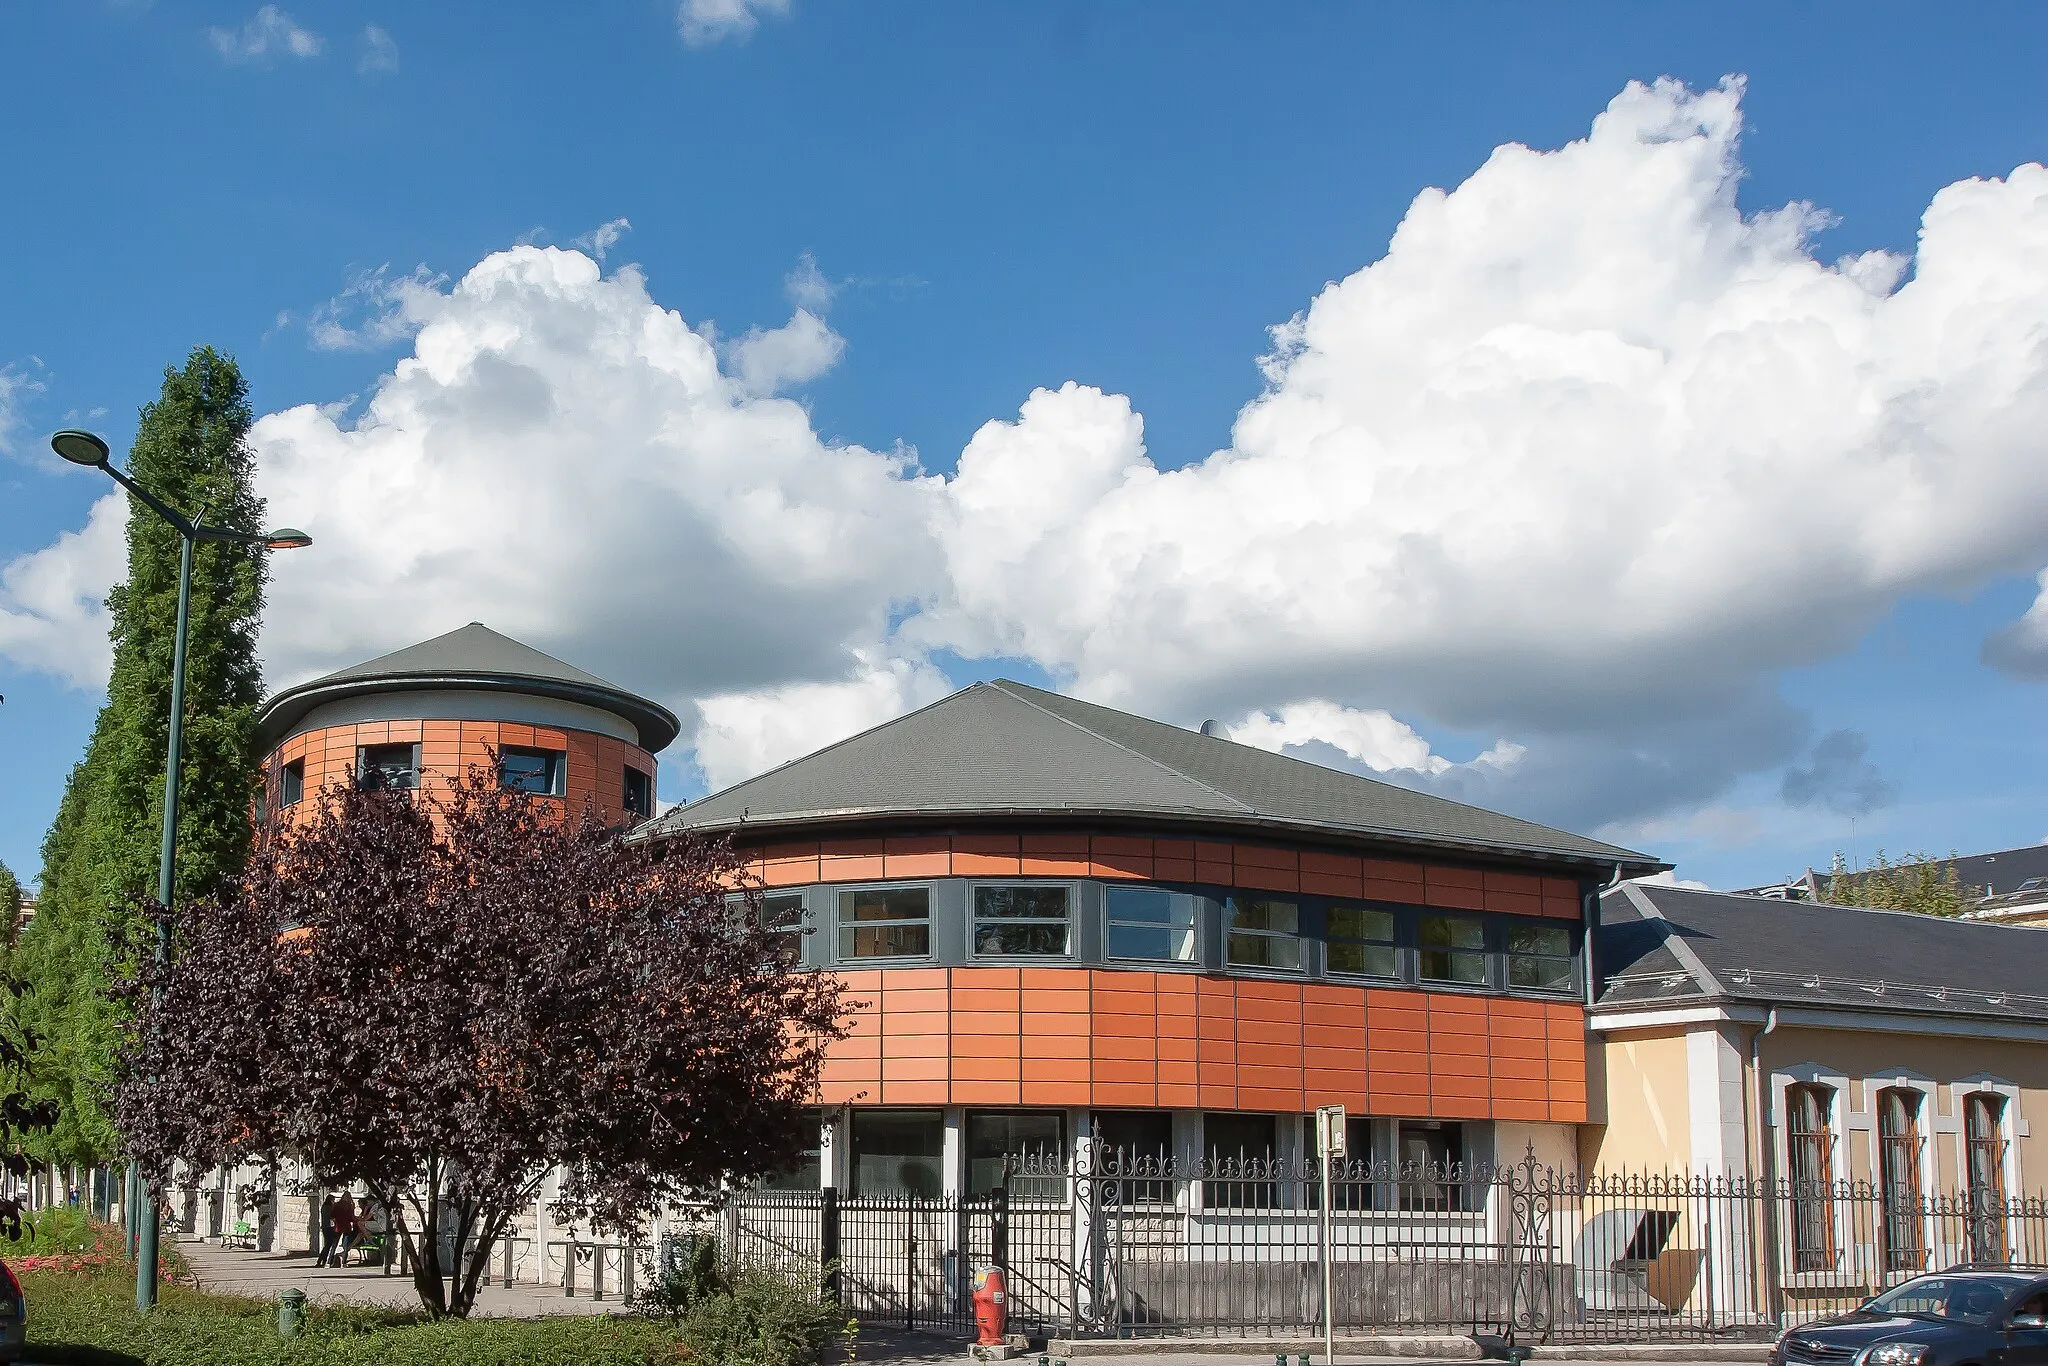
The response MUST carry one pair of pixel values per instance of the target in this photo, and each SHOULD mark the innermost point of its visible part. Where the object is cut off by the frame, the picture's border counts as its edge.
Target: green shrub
(764, 1318)
(90, 1320)
(48, 1231)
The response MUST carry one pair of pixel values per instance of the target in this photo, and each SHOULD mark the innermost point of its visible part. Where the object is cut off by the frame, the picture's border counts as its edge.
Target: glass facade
(897, 1152)
(1023, 920)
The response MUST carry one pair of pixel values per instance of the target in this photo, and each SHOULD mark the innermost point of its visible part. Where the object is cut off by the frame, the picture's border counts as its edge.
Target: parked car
(1962, 1317)
(13, 1316)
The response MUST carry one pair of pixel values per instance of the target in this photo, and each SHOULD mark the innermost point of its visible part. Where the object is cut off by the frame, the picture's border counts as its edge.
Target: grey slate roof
(470, 657)
(1004, 748)
(1726, 947)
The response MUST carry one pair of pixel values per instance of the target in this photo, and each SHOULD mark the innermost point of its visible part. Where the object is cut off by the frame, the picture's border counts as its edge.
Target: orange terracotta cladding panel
(1117, 1038)
(594, 766)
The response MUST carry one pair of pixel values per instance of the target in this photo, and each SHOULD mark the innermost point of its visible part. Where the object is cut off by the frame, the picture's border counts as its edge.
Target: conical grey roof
(470, 657)
(1006, 749)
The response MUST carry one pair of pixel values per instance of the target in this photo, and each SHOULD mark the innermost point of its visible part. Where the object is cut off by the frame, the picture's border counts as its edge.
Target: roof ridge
(1680, 950)
(1003, 685)
(827, 749)
(1323, 770)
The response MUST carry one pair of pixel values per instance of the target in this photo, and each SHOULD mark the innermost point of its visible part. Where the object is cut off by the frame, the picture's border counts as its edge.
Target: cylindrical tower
(423, 716)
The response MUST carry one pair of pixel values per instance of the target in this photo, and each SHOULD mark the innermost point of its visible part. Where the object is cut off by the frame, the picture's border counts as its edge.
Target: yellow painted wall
(1642, 1080)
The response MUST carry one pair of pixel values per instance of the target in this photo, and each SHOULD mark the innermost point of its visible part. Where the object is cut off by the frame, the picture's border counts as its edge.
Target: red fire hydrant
(989, 1307)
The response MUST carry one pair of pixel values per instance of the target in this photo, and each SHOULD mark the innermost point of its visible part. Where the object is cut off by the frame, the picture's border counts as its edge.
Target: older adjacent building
(1059, 919)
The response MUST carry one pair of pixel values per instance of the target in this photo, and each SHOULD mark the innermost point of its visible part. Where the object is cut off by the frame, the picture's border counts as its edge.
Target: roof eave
(654, 725)
(1632, 864)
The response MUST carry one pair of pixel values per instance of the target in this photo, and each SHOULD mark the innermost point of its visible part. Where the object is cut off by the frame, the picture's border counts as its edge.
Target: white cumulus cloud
(1578, 465)
(53, 610)
(375, 309)
(380, 52)
(270, 35)
(704, 22)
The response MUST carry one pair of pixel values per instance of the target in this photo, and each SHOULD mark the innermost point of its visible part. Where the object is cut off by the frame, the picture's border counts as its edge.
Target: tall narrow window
(1260, 932)
(537, 771)
(1021, 921)
(1811, 1142)
(783, 913)
(1898, 1142)
(638, 797)
(291, 783)
(885, 922)
(1147, 923)
(1360, 939)
(389, 766)
(1984, 1140)
(1453, 950)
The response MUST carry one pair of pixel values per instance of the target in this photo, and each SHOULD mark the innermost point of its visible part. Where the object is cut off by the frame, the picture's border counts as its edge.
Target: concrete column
(953, 1154)
(1716, 1099)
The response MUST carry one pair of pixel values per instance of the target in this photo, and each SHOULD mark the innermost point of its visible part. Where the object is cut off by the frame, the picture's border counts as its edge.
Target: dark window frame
(291, 782)
(1901, 1183)
(1396, 942)
(645, 811)
(1489, 951)
(1071, 889)
(556, 769)
(364, 766)
(1177, 899)
(841, 925)
(1299, 936)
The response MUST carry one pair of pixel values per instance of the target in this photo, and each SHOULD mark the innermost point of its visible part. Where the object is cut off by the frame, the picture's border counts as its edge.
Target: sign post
(1330, 1152)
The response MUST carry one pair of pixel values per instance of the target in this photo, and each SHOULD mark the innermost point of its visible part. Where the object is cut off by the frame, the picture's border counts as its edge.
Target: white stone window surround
(1929, 1122)
(1842, 1120)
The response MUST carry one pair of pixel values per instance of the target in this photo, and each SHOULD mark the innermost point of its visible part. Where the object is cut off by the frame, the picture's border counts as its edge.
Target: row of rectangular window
(1036, 920)
(902, 1152)
(542, 772)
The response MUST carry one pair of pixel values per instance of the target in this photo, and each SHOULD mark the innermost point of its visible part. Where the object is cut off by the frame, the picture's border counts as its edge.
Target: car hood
(1861, 1329)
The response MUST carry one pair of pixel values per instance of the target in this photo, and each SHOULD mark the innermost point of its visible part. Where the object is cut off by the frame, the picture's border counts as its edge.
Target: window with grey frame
(1539, 957)
(537, 772)
(637, 792)
(291, 783)
(1451, 949)
(1148, 924)
(388, 766)
(885, 922)
(1262, 932)
(782, 914)
(1360, 941)
(1022, 920)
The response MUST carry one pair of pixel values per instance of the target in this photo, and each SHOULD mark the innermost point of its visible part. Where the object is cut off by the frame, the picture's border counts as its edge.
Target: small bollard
(291, 1313)
(1303, 1359)
(1279, 1359)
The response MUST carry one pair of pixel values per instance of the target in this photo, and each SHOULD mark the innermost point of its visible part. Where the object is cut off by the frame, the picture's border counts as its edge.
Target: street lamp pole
(83, 448)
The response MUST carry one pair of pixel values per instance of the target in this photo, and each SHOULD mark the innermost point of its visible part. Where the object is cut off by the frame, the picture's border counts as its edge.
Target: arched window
(1984, 1168)
(1898, 1147)
(1810, 1139)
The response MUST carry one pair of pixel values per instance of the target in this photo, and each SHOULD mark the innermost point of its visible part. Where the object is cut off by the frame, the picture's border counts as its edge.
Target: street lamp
(84, 448)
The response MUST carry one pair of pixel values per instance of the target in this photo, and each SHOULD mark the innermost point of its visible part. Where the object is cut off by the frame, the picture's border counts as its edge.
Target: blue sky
(995, 199)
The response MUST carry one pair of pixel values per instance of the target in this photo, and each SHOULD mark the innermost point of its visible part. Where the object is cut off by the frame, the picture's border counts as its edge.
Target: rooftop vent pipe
(1215, 728)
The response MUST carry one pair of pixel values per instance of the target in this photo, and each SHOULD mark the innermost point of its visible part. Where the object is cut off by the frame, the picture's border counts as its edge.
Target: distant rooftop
(1999, 873)
(1006, 750)
(472, 657)
(1678, 946)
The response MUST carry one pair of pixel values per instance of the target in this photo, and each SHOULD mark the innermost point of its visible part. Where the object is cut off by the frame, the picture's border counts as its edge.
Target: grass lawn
(89, 1319)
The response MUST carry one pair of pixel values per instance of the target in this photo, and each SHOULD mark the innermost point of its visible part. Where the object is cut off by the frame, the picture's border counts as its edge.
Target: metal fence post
(828, 1240)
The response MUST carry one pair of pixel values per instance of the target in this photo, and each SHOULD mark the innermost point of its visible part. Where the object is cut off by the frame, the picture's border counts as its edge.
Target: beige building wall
(1646, 1119)
(1944, 1068)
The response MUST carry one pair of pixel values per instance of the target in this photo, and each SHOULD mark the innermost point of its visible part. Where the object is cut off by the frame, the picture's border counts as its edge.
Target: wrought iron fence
(1129, 1245)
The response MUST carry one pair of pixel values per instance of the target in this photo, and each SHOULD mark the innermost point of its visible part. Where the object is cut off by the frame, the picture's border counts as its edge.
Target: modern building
(1058, 920)
(422, 716)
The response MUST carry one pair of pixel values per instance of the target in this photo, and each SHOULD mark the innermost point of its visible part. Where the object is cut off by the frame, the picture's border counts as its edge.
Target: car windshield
(1971, 1299)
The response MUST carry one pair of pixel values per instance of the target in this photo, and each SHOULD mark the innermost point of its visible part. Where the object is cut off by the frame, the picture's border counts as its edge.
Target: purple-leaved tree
(446, 997)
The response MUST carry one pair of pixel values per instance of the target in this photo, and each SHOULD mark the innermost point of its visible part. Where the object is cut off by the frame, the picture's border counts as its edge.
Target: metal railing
(1147, 1245)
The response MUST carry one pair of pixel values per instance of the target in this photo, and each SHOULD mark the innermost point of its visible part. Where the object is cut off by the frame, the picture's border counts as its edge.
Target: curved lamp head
(80, 448)
(286, 538)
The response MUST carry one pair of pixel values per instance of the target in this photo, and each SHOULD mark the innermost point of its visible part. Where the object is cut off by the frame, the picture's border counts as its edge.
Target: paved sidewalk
(268, 1275)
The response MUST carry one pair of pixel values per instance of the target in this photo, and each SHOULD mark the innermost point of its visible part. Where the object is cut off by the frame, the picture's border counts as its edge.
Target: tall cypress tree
(100, 855)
